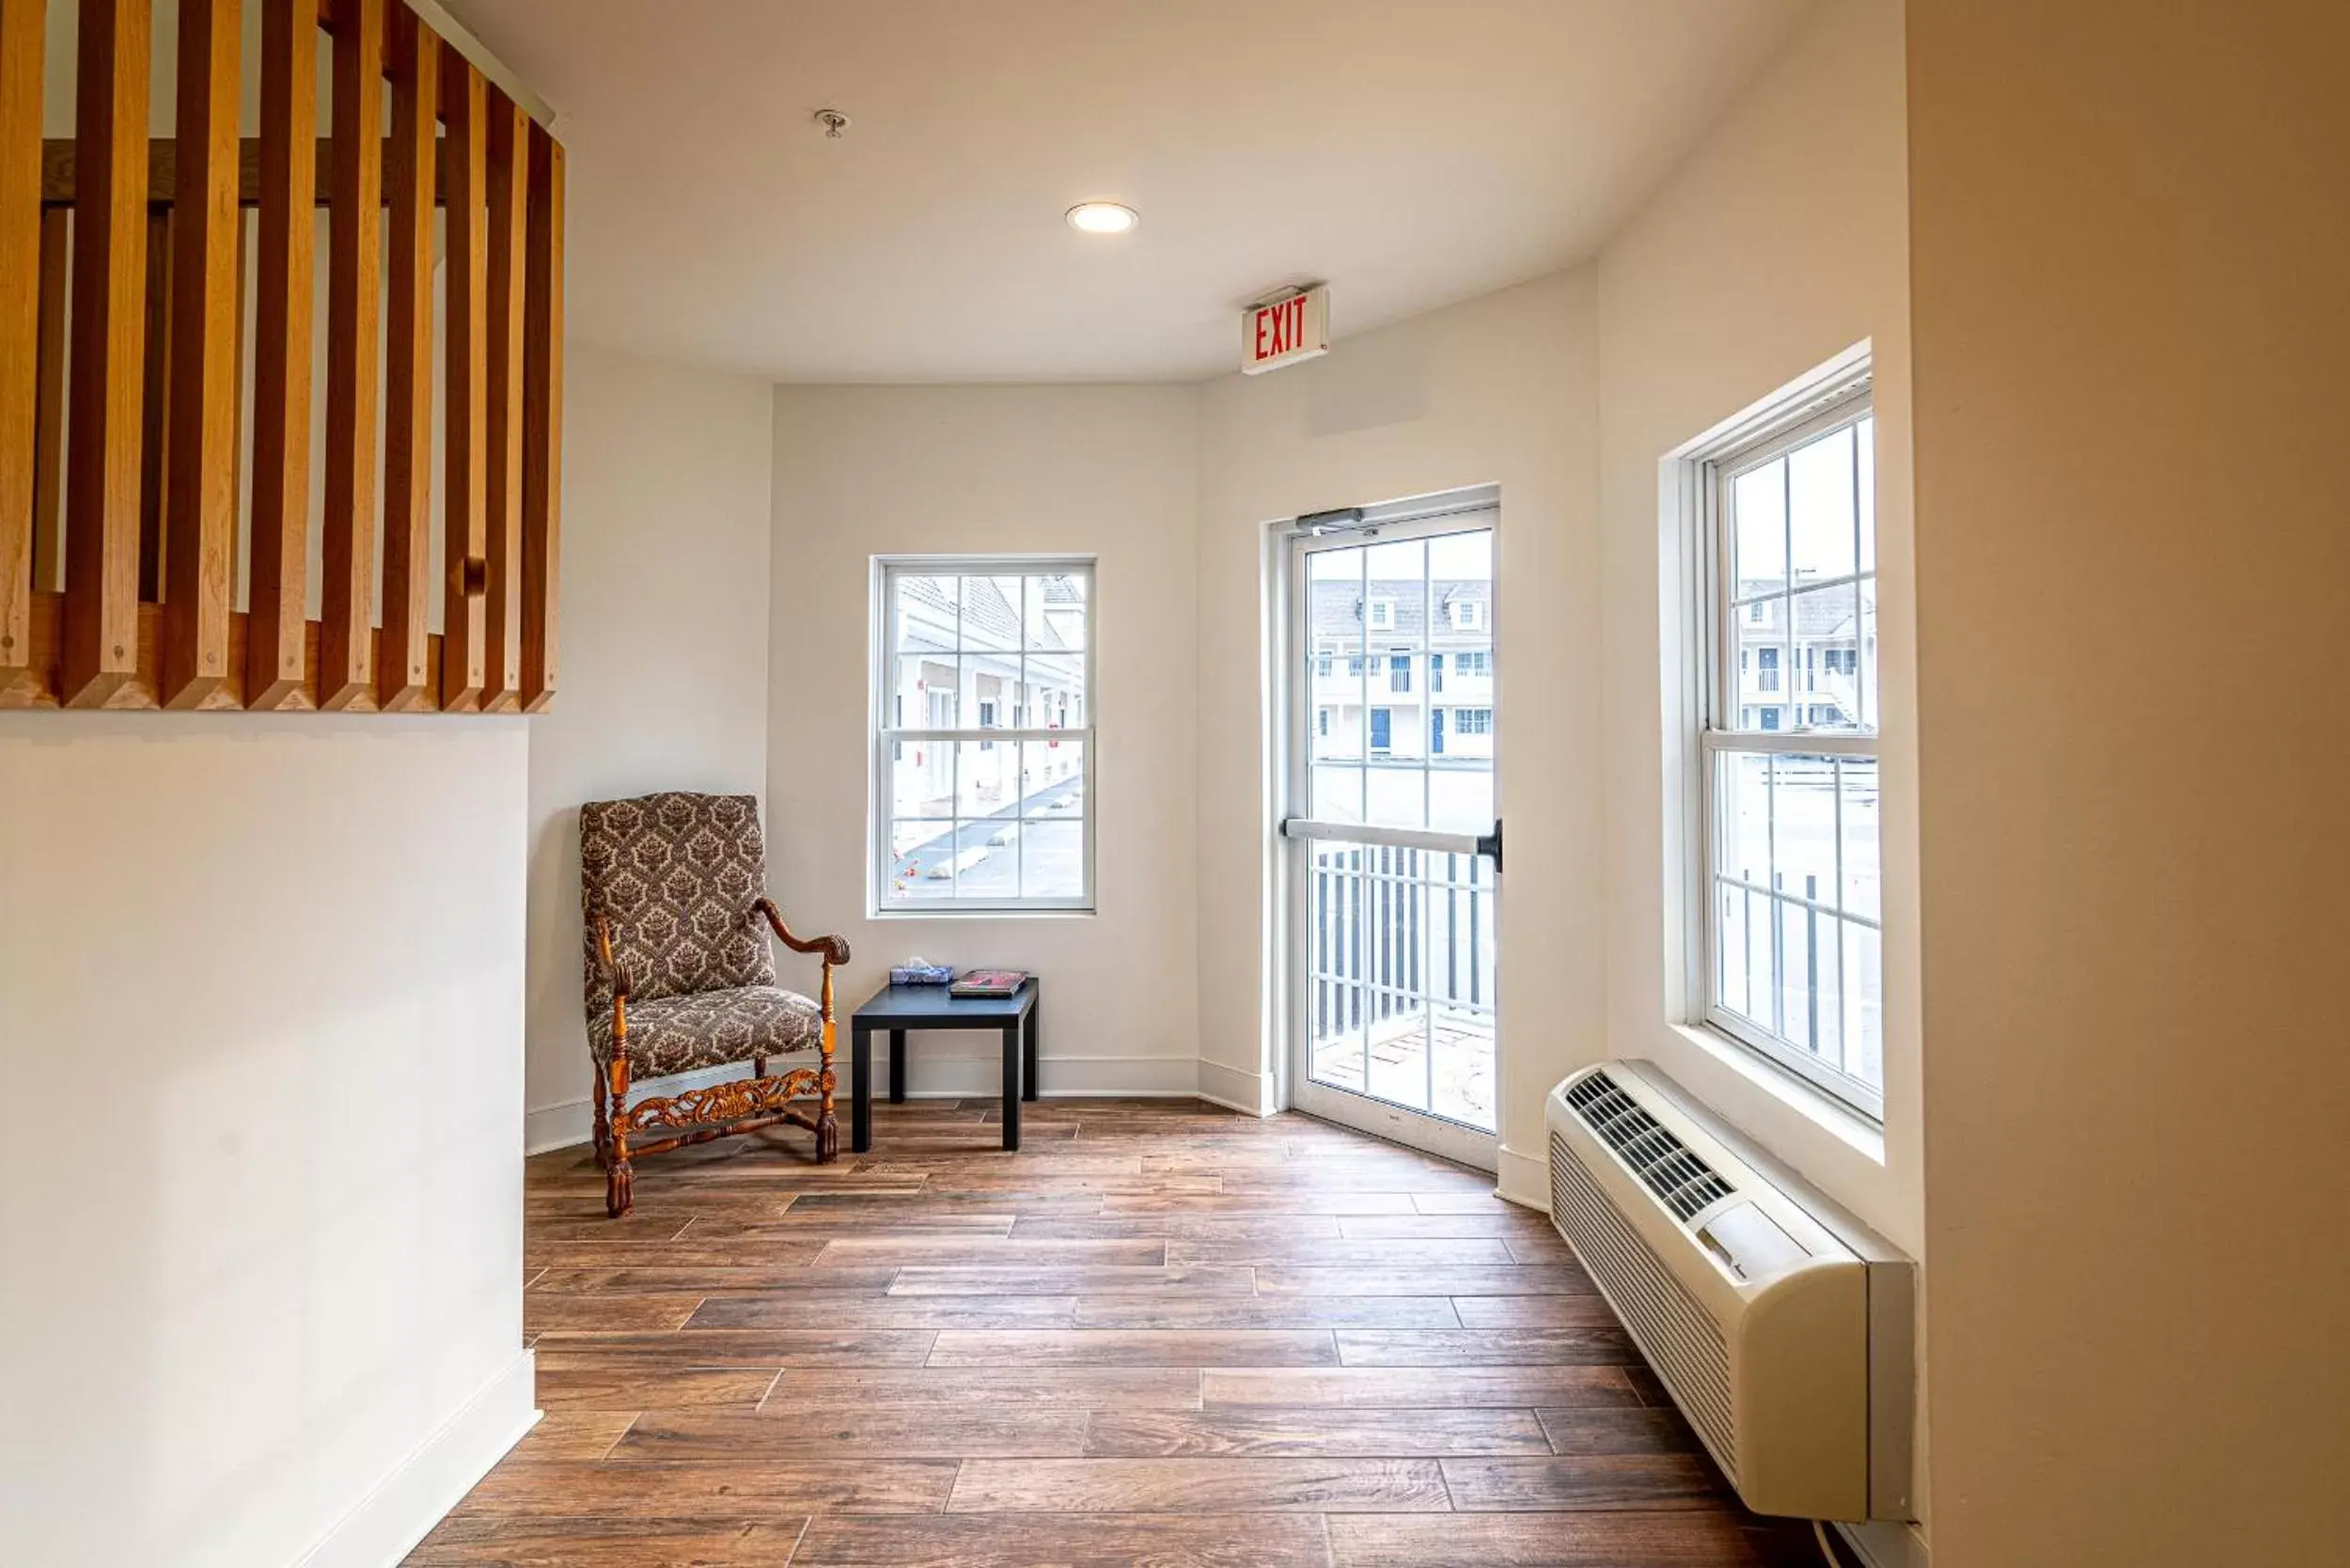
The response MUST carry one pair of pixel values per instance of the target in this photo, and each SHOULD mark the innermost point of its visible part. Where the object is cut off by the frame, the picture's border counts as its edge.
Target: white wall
(1779, 243)
(260, 1195)
(1496, 390)
(1782, 240)
(663, 676)
(262, 1287)
(2134, 619)
(1106, 471)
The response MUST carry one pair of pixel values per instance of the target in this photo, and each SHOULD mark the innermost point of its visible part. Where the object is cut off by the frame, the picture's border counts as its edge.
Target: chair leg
(619, 1180)
(827, 1126)
(604, 1118)
(759, 1067)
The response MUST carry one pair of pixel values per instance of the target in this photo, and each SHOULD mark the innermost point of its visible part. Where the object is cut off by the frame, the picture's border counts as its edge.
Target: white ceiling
(1411, 152)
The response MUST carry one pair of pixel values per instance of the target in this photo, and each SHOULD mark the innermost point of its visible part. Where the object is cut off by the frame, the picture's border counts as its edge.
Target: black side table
(900, 1008)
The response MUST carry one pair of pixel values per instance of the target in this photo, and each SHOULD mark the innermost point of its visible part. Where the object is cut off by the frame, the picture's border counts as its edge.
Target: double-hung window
(988, 805)
(1792, 963)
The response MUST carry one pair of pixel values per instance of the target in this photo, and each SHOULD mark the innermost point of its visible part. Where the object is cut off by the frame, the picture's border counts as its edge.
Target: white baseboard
(402, 1509)
(1524, 1178)
(934, 1076)
(1249, 1093)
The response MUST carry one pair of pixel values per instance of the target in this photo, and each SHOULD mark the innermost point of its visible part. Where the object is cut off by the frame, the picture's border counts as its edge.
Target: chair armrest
(612, 971)
(835, 948)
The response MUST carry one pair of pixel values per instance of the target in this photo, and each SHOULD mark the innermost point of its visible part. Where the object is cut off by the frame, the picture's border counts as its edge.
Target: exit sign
(1283, 330)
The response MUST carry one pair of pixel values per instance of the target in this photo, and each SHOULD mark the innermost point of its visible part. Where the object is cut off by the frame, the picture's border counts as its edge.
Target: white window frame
(886, 570)
(1807, 414)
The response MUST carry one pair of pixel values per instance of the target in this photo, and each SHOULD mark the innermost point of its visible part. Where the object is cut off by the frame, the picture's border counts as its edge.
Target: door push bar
(1487, 844)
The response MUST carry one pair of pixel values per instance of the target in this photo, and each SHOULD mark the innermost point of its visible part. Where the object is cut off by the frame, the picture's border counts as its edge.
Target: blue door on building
(1435, 732)
(1379, 727)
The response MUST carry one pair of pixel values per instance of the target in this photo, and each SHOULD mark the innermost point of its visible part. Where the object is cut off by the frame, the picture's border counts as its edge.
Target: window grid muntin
(1721, 734)
(888, 736)
(1398, 688)
(1849, 410)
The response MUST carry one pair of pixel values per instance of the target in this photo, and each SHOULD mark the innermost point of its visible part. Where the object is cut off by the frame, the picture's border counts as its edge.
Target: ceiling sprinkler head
(834, 122)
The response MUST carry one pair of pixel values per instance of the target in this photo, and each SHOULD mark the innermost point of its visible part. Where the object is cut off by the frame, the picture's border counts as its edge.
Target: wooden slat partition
(354, 287)
(21, 289)
(124, 263)
(202, 480)
(278, 594)
(466, 434)
(542, 422)
(507, 193)
(414, 55)
(102, 606)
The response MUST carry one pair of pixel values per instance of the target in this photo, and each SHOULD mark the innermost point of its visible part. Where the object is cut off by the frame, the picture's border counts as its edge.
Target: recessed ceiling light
(1102, 217)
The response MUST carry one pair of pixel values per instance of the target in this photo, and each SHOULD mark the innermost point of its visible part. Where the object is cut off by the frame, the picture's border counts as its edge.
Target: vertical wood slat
(200, 481)
(507, 192)
(22, 292)
(542, 422)
(57, 228)
(238, 433)
(413, 53)
(355, 288)
(100, 645)
(463, 172)
(155, 405)
(277, 595)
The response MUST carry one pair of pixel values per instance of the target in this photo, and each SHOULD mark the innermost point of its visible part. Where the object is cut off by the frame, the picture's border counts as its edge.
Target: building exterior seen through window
(1412, 715)
(986, 805)
(1793, 958)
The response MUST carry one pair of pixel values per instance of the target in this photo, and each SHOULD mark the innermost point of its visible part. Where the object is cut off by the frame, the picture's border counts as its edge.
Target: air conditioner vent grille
(1678, 1336)
(1681, 1181)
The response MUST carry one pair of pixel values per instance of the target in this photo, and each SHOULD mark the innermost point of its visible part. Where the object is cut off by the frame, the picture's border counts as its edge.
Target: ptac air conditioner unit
(1780, 1325)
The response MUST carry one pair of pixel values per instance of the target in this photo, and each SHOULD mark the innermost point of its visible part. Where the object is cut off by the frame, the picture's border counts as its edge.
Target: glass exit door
(1391, 831)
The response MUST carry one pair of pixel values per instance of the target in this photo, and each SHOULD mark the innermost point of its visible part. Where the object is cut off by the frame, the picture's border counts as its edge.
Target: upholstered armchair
(681, 978)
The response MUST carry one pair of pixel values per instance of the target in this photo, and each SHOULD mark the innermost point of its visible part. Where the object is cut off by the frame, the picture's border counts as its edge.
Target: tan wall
(2132, 338)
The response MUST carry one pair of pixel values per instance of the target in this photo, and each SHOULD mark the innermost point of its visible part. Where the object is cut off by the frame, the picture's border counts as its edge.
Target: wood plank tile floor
(1160, 1334)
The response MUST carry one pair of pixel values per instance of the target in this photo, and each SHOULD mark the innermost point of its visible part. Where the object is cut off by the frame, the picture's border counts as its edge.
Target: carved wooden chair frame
(716, 1110)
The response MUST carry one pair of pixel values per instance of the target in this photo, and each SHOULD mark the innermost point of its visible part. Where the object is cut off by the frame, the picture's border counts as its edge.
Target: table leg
(897, 1067)
(1012, 1086)
(1030, 1027)
(860, 1089)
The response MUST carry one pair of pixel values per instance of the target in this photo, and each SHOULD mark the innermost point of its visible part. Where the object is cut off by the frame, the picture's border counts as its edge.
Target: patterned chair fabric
(710, 1028)
(675, 876)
